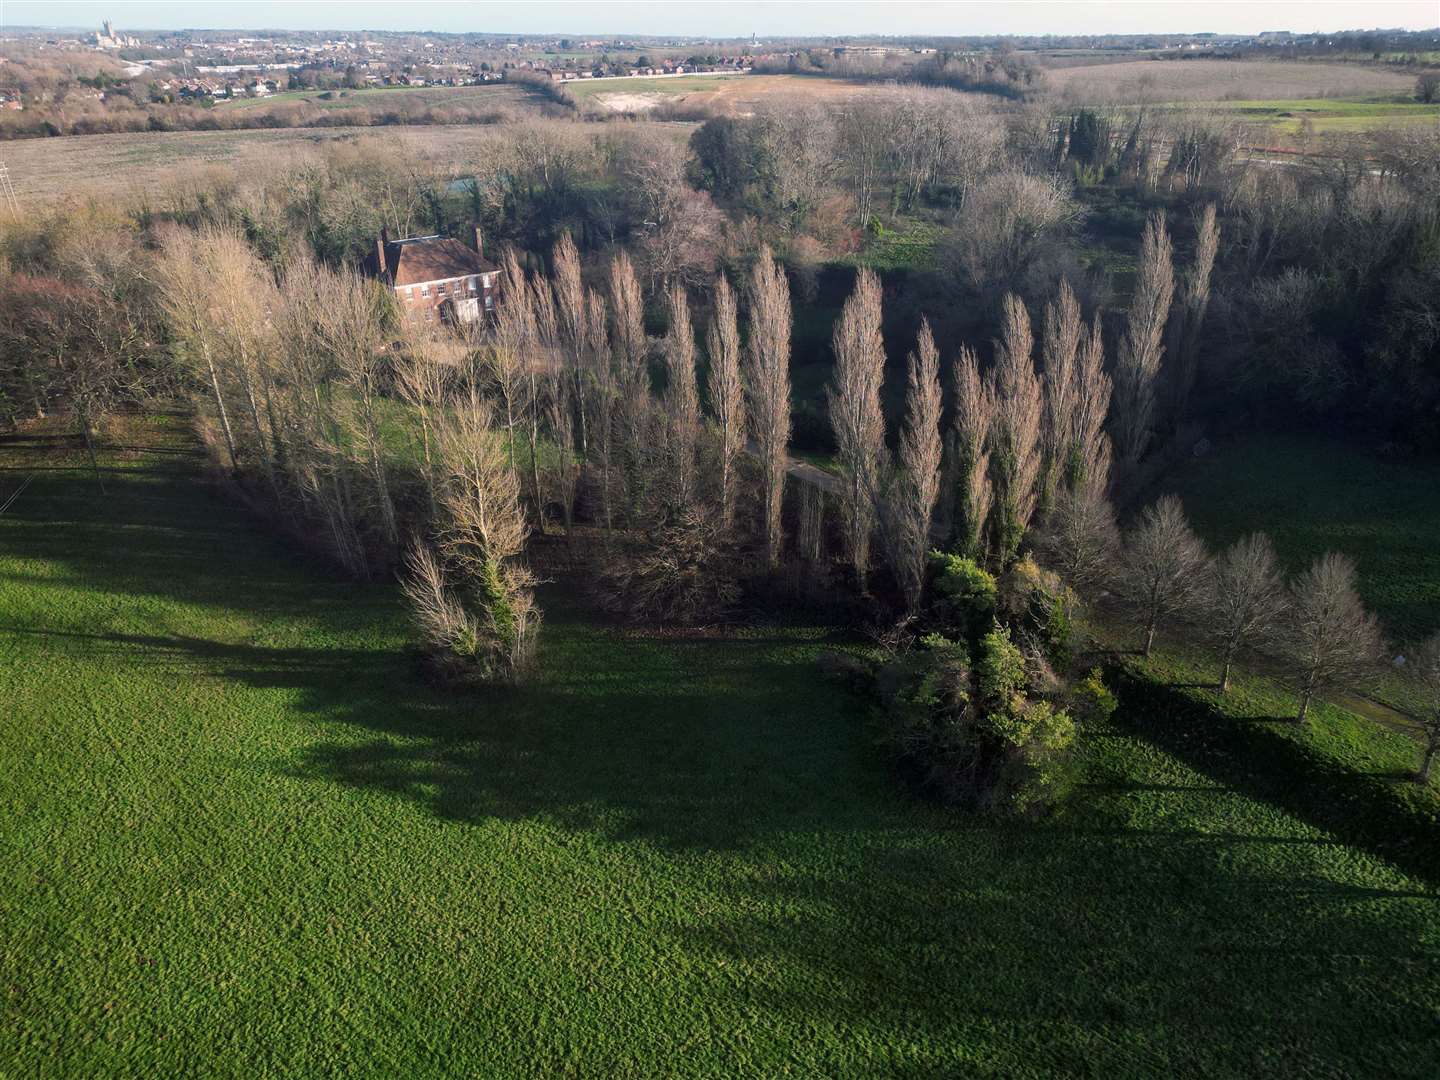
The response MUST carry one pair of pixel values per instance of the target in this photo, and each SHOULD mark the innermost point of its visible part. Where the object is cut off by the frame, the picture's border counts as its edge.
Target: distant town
(204, 67)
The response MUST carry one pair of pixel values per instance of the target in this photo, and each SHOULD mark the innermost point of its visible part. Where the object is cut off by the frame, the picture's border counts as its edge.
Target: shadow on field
(682, 742)
(1364, 810)
(903, 942)
(1076, 957)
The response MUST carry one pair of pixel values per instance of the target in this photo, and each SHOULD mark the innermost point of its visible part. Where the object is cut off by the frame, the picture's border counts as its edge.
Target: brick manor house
(436, 277)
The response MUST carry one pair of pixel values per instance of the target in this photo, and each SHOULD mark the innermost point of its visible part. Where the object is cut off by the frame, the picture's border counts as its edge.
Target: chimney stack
(479, 243)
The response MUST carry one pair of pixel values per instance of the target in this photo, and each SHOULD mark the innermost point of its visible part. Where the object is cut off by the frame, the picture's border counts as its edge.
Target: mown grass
(243, 838)
(1314, 494)
(1324, 115)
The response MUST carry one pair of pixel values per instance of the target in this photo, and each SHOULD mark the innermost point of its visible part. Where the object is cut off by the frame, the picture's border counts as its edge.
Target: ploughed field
(243, 837)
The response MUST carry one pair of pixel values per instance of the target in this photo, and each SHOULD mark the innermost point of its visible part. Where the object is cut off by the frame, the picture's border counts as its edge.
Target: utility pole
(7, 191)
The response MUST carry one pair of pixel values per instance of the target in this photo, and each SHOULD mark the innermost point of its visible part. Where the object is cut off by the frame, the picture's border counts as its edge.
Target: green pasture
(244, 837)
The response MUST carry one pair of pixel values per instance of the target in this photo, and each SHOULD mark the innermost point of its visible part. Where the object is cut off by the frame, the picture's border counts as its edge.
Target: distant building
(436, 277)
(107, 38)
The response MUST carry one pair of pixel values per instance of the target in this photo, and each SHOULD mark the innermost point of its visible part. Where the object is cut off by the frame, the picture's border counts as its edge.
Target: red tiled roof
(429, 258)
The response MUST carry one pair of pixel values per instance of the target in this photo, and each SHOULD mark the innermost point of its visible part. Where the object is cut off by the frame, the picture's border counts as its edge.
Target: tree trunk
(1423, 776)
(534, 457)
(266, 459)
(1305, 697)
(580, 409)
(224, 416)
(1149, 637)
(89, 437)
(1225, 669)
(726, 452)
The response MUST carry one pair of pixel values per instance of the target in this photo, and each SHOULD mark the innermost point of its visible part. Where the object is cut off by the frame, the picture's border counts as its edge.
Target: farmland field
(723, 94)
(667, 84)
(1222, 80)
(1325, 115)
(143, 163)
(245, 833)
(498, 94)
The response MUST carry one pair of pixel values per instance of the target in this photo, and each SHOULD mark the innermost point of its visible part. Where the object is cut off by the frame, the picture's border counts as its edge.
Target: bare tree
(1328, 637)
(974, 408)
(1142, 347)
(571, 314)
(726, 392)
(1064, 334)
(507, 347)
(558, 418)
(1243, 598)
(420, 384)
(603, 392)
(242, 297)
(321, 463)
(855, 416)
(1426, 669)
(1080, 539)
(1008, 225)
(1189, 316)
(810, 534)
(917, 488)
(683, 229)
(184, 297)
(682, 399)
(627, 308)
(350, 327)
(767, 388)
(1015, 451)
(1161, 565)
(546, 381)
(1087, 453)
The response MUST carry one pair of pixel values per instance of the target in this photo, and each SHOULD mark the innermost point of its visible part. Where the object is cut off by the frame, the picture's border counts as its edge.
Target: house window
(489, 302)
(441, 288)
(472, 283)
(424, 290)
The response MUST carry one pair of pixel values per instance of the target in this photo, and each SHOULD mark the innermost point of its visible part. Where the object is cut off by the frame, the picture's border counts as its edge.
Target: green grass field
(1314, 494)
(244, 838)
(1328, 114)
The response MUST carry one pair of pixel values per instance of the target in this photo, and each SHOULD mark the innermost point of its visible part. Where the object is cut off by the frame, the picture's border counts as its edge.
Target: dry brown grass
(1222, 80)
(735, 95)
(124, 167)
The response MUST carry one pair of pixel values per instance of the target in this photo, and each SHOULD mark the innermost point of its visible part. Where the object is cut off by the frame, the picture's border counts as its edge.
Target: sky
(736, 18)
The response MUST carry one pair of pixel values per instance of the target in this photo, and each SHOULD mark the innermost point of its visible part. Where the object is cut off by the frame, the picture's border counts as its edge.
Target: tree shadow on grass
(889, 938)
(1050, 952)
(1361, 809)
(737, 746)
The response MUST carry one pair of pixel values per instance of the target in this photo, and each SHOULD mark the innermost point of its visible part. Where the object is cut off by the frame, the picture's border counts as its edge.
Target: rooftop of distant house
(418, 259)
